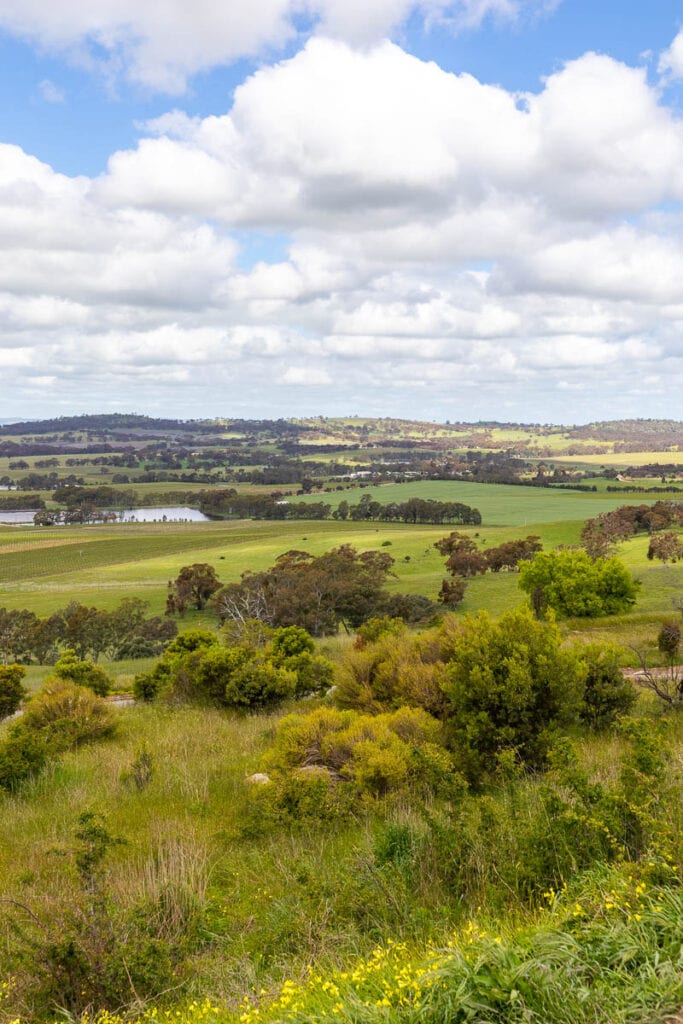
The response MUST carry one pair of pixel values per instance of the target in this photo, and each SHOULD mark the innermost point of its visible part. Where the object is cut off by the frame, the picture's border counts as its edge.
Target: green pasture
(500, 505)
(100, 565)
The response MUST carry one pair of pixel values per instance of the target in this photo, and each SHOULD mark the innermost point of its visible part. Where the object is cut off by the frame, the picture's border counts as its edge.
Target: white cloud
(307, 377)
(671, 59)
(445, 241)
(50, 92)
(160, 45)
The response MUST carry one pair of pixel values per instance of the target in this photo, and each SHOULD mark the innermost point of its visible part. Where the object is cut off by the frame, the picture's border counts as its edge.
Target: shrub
(83, 673)
(573, 584)
(12, 690)
(191, 640)
(377, 627)
(509, 685)
(396, 670)
(377, 753)
(607, 694)
(257, 684)
(22, 755)
(66, 715)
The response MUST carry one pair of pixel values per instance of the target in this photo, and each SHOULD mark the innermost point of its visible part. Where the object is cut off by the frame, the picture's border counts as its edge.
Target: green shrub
(12, 690)
(256, 684)
(22, 755)
(510, 685)
(83, 673)
(191, 640)
(573, 584)
(377, 753)
(398, 669)
(607, 694)
(288, 641)
(371, 631)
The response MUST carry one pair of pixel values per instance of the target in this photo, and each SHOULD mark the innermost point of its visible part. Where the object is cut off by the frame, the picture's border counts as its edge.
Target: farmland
(289, 911)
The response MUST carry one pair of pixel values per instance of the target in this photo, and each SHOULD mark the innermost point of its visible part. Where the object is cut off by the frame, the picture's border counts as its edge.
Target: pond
(17, 518)
(163, 514)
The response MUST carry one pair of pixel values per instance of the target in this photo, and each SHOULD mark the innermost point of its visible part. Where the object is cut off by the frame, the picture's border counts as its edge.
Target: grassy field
(99, 565)
(499, 505)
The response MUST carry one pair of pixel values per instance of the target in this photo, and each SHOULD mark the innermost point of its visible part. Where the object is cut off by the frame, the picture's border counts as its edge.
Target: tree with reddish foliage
(665, 546)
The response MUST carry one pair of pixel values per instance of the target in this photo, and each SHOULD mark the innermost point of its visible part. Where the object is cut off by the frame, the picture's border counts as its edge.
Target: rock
(258, 779)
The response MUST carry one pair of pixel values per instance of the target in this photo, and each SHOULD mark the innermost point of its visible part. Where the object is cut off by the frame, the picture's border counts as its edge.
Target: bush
(607, 694)
(191, 640)
(377, 627)
(195, 667)
(22, 755)
(257, 684)
(378, 754)
(12, 690)
(573, 584)
(396, 670)
(83, 673)
(509, 685)
(66, 715)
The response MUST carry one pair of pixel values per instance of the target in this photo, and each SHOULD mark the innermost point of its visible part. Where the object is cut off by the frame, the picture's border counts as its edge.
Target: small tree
(193, 586)
(666, 683)
(510, 684)
(666, 546)
(573, 584)
(12, 690)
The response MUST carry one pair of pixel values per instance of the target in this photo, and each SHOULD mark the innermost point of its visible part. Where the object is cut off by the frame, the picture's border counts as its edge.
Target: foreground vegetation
(471, 818)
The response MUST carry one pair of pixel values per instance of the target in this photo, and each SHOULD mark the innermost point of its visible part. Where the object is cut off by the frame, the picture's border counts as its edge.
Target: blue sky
(463, 210)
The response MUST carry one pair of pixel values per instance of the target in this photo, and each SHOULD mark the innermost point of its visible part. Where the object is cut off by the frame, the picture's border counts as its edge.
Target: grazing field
(500, 505)
(99, 565)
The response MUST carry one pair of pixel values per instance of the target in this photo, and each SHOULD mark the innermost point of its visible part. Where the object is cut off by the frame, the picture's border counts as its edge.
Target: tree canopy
(573, 584)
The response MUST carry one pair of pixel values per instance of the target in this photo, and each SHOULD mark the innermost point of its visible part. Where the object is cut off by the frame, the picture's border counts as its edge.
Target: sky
(430, 209)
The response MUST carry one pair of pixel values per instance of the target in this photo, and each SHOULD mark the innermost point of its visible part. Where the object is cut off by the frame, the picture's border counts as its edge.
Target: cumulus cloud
(671, 59)
(451, 248)
(160, 45)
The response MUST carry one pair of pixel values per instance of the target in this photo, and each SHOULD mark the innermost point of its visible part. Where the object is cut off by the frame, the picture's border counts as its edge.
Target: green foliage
(196, 668)
(12, 690)
(257, 684)
(510, 685)
(87, 952)
(378, 626)
(573, 584)
(192, 587)
(289, 641)
(22, 755)
(319, 593)
(191, 640)
(607, 694)
(83, 673)
(669, 640)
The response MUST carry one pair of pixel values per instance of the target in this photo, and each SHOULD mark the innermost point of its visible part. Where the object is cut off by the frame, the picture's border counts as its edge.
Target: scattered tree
(573, 584)
(192, 587)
